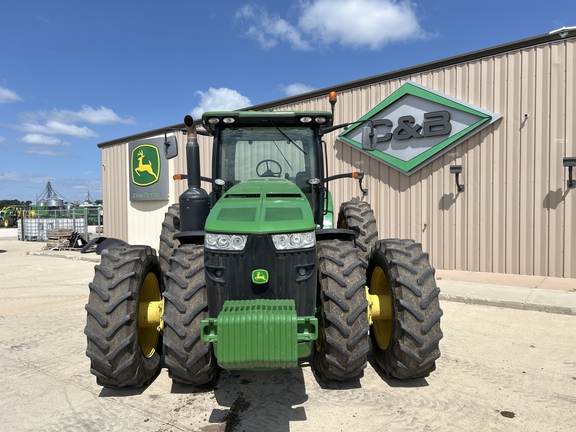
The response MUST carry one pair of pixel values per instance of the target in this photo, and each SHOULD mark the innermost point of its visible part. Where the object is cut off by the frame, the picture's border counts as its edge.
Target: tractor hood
(260, 206)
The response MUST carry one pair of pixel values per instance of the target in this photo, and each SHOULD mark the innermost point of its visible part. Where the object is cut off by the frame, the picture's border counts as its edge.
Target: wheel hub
(150, 310)
(380, 311)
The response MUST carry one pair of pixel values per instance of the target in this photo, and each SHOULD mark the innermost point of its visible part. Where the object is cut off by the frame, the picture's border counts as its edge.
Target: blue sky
(74, 73)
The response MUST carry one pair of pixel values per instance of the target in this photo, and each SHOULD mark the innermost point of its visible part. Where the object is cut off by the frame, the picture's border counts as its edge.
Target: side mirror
(368, 138)
(170, 147)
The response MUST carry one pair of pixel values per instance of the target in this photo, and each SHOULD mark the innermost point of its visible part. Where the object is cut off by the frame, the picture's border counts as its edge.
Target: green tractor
(260, 273)
(9, 216)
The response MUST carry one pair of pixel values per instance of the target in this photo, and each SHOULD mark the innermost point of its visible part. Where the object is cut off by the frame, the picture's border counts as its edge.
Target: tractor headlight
(294, 240)
(232, 242)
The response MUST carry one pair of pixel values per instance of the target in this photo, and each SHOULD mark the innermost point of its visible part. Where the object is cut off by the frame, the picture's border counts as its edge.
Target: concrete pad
(552, 301)
(482, 292)
(509, 297)
(491, 278)
(559, 284)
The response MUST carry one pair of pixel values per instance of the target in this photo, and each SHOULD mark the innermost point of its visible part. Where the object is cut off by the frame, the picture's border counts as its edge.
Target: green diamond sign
(415, 125)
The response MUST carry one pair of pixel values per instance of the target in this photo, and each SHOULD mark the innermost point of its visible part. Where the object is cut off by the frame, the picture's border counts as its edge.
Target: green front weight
(259, 334)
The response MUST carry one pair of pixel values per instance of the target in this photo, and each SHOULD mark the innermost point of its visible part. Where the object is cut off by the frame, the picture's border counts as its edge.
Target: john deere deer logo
(260, 276)
(145, 165)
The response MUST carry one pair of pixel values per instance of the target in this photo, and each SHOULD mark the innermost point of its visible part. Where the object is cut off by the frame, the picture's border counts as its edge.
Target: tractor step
(259, 334)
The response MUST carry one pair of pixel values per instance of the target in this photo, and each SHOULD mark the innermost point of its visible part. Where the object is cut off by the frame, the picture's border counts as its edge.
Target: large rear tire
(359, 217)
(189, 360)
(405, 344)
(168, 243)
(342, 347)
(124, 352)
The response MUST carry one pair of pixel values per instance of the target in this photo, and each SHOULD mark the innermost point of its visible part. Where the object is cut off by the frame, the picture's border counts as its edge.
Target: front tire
(343, 347)
(189, 360)
(123, 351)
(405, 344)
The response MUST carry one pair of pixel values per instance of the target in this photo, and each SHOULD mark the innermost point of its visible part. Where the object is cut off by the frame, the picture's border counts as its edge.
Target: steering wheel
(269, 172)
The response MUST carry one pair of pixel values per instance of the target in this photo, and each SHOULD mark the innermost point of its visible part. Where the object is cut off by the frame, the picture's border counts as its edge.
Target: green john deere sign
(415, 125)
(148, 171)
(145, 165)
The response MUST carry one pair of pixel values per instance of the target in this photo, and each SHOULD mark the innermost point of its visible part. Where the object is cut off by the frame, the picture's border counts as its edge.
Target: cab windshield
(260, 152)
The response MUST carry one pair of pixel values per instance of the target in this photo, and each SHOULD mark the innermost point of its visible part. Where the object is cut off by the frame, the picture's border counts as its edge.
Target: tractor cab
(255, 145)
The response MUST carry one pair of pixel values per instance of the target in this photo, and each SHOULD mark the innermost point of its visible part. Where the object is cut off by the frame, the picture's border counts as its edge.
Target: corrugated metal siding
(115, 191)
(569, 255)
(515, 214)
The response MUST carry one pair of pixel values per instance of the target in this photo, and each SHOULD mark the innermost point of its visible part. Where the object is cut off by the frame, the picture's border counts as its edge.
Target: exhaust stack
(194, 202)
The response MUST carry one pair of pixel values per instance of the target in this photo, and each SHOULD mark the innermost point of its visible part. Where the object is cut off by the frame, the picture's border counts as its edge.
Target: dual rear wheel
(124, 340)
(405, 309)
(396, 304)
(125, 311)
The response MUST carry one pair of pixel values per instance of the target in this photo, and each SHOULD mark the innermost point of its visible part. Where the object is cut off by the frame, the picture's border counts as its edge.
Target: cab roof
(263, 118)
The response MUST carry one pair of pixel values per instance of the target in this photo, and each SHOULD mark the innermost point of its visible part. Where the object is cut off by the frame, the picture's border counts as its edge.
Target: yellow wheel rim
(149, 331)
(382, 327)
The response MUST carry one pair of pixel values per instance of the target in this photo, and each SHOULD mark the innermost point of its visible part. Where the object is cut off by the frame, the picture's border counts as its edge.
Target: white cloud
(56, 128)
(39, 139)
(269, 30)
(11, 176)
(296, 89)
(62, 122)
(368, 24)
(44, 151)
(8, 96)
(2, 138)
(220, 99)
(87, 114)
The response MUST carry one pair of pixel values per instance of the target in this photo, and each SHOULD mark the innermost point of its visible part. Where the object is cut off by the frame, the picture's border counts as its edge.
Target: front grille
(283, 195)
(242, 196)
(292, 275)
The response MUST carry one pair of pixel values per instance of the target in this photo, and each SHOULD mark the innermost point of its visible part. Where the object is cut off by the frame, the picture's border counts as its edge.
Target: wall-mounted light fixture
(457, 169)
(570, 162)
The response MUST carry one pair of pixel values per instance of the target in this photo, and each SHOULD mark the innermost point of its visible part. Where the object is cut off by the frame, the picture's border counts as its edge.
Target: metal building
(515, 215)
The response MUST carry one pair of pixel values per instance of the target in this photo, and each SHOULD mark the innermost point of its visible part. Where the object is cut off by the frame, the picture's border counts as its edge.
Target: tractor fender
(102, 243)
(335, 234)
(190, 237)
